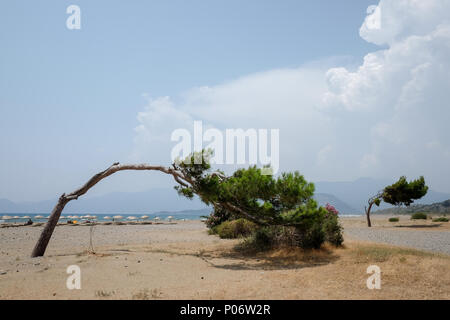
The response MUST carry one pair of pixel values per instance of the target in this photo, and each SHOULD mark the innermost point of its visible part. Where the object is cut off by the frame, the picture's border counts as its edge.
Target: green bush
(310, 236)
(263, 238)
(440, 219)
(266, 238)
(234, 229)
(419, 215)
(309, 231)
(333, 230)
(217, 217)
(394, 219)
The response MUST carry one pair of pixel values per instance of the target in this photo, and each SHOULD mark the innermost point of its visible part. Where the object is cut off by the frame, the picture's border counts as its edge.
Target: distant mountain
(439, 207)
(155, 200)
(348, 197)
(160, 201)
(341, 206)
(7, 206)
(356, 193)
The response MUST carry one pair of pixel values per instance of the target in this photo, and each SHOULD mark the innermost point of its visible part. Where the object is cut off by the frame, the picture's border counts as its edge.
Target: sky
(349, 100)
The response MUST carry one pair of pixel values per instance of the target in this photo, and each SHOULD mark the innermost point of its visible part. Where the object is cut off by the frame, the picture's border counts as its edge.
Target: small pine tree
(400, 193)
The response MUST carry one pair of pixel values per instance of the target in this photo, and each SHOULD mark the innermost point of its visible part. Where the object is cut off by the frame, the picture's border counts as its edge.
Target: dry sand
(181, 261)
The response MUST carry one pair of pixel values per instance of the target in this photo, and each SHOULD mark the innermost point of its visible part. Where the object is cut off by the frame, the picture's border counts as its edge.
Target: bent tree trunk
(46, 234)
(369, 224)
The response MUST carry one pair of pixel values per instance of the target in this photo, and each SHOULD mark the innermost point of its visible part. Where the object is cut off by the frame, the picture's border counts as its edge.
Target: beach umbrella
(157, 218)
(118, 217)
(26, 217)
(6, 218)
(107, 218)
(144, 217)
(75, 217)
(93, 217)
(169, 218)
(39, 217)
(131, 218)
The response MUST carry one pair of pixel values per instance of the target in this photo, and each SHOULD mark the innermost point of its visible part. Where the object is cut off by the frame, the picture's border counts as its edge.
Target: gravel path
(436, 241)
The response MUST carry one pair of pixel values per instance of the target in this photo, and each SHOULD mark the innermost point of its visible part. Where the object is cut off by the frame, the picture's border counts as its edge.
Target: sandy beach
(181, 261)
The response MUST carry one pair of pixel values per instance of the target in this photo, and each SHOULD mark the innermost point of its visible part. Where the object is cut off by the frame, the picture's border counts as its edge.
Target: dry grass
(147, 294)
(328, 273)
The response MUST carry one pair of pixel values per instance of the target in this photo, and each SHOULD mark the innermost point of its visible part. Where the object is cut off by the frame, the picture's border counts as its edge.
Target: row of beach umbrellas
(134, 218)
(118, 217)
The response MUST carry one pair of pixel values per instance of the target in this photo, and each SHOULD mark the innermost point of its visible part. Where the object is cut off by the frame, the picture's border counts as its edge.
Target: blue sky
(69, 98)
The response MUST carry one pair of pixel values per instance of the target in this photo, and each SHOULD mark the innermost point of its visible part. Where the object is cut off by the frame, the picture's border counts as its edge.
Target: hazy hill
(348, 197)
(155, 200)
(356, 193)
(341, 206)
(439, 207)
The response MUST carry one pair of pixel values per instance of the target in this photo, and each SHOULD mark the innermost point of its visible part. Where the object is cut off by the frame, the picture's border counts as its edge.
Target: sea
(162, 216)
(43, 217)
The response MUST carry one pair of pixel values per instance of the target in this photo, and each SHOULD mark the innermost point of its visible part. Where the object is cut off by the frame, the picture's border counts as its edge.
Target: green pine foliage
(268, 202)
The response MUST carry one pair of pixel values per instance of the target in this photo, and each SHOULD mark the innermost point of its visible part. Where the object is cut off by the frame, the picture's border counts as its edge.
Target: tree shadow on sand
(418, 226)
(275, 259)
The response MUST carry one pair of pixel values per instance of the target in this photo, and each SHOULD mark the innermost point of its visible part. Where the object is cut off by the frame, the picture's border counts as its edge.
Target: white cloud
(284, 99)
(377, 120)
(324, 154)
(402, 91)
(156, 123)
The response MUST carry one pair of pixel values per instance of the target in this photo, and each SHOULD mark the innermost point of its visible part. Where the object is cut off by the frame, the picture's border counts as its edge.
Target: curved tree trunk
(369, 224)
(46, 234)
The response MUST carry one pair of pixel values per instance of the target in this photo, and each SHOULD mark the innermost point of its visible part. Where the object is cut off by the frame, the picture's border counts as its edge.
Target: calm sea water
(42, 217)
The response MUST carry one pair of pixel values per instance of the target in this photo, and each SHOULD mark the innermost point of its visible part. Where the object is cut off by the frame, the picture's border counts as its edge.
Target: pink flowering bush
(331, 209)
(332, 227)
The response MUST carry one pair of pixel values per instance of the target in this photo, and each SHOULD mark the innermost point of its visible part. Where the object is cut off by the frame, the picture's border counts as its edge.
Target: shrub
(331, 209)
(333, 230)
(440, 219)
(419, 215)
(311, 238)
(310, 233)
(234, 229)
(394, 219)
(308, 237)
(217, 217)
(264, 238)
